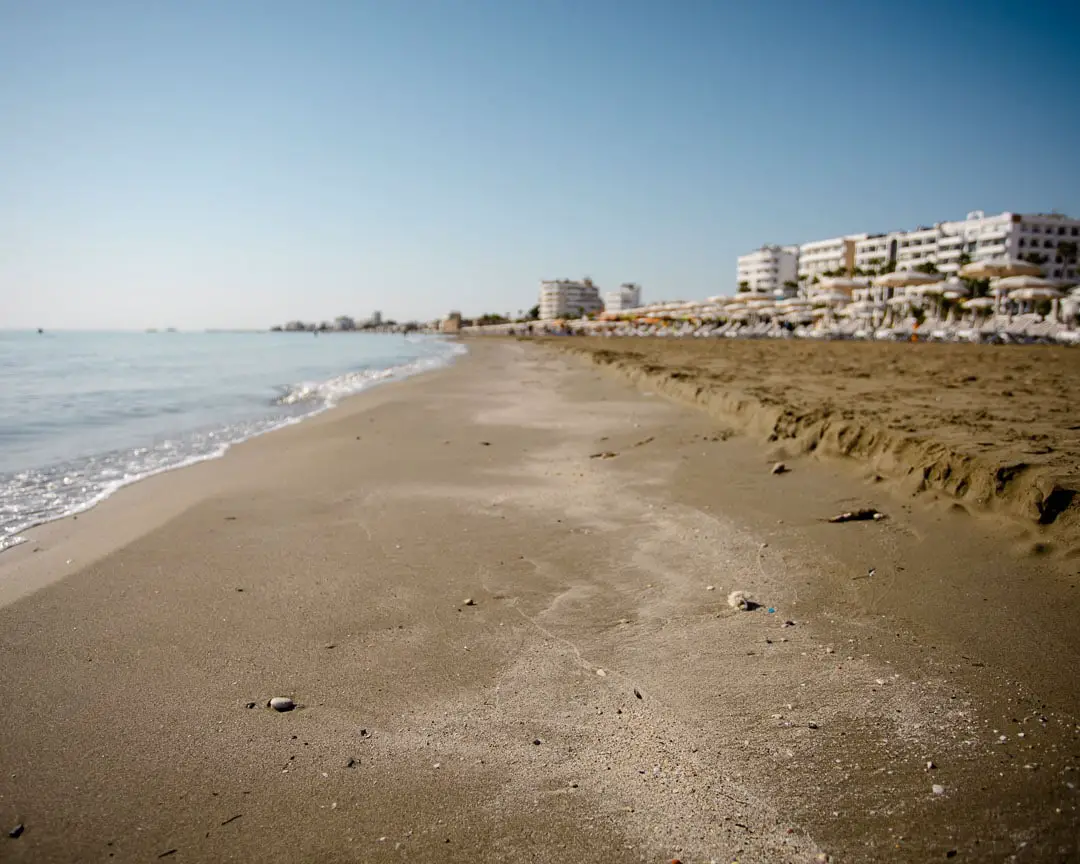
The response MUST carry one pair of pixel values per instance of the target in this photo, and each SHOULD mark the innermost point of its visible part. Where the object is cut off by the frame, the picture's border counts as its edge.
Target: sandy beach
(498, 596)
(992, 428)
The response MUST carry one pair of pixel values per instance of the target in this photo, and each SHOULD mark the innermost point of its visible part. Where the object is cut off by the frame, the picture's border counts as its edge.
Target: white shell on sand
(282, 703)
(739, 600)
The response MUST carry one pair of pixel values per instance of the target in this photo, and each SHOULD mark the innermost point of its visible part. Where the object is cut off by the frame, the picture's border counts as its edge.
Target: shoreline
(597, 697)
(400, 373)
(21, 570)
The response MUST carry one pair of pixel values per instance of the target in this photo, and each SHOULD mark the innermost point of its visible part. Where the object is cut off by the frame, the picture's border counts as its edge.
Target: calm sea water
(82, 414)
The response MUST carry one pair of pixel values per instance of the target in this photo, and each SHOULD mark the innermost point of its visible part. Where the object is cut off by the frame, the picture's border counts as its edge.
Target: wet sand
(597, 700)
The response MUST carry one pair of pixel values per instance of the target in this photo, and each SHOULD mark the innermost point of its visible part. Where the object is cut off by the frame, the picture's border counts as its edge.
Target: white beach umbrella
(1036, 293)
(827, 298)
(979, 303)
(903, 278)
(1013, 283)
(840, 283)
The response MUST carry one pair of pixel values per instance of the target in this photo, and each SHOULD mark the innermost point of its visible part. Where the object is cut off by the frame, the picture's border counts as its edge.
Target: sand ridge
(992, 426)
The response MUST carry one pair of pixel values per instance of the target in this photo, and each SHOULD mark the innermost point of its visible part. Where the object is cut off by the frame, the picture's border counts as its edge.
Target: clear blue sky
(240, 162)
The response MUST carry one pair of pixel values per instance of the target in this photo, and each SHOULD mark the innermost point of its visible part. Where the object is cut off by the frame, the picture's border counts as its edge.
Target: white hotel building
(563, 298)
(1050, 237)
(822, 256)
(765, 270)
(628, 296)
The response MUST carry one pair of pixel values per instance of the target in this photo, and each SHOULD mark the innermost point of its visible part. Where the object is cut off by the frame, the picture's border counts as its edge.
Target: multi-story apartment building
(917, 247)
(1050, 239)
(563, 298)
(874, 251)
(627, 296)
(770, 269)
(824, 256)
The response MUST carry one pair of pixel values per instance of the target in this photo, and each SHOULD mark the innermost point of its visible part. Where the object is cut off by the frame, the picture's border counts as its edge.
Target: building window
(1022, 243)
(1048, 244)
(1061, 230)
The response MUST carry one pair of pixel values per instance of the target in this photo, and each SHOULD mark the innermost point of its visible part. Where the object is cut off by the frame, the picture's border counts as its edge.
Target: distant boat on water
(40, 331)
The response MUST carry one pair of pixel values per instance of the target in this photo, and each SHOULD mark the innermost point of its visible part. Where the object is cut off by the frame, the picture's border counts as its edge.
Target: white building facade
(766, 270)
(628, 296)
(827, 256)
(563, 298)
(1047, 239)
(875, 251)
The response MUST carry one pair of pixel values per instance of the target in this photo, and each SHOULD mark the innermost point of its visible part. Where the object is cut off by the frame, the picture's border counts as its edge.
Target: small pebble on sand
(281, 703)
(779, 468)
(938, 789)
(468, 601)
(16, 832)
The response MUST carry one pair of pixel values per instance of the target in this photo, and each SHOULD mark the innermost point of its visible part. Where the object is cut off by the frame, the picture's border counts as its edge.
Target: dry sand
(330, 561)
(994, 428)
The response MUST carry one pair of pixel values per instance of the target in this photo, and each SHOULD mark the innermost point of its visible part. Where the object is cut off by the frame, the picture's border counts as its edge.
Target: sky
(198, 163)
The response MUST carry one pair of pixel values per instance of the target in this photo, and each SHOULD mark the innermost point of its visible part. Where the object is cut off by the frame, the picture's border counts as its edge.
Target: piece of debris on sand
(865, 515)
(742, 601)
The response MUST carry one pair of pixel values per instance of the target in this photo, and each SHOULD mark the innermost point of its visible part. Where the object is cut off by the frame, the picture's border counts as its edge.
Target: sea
(84, 414)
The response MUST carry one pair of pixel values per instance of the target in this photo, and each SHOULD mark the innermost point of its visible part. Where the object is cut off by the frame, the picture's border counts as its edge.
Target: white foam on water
(31, 498)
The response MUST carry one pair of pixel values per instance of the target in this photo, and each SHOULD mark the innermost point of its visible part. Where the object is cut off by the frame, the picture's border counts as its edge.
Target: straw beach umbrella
(1003, 267)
